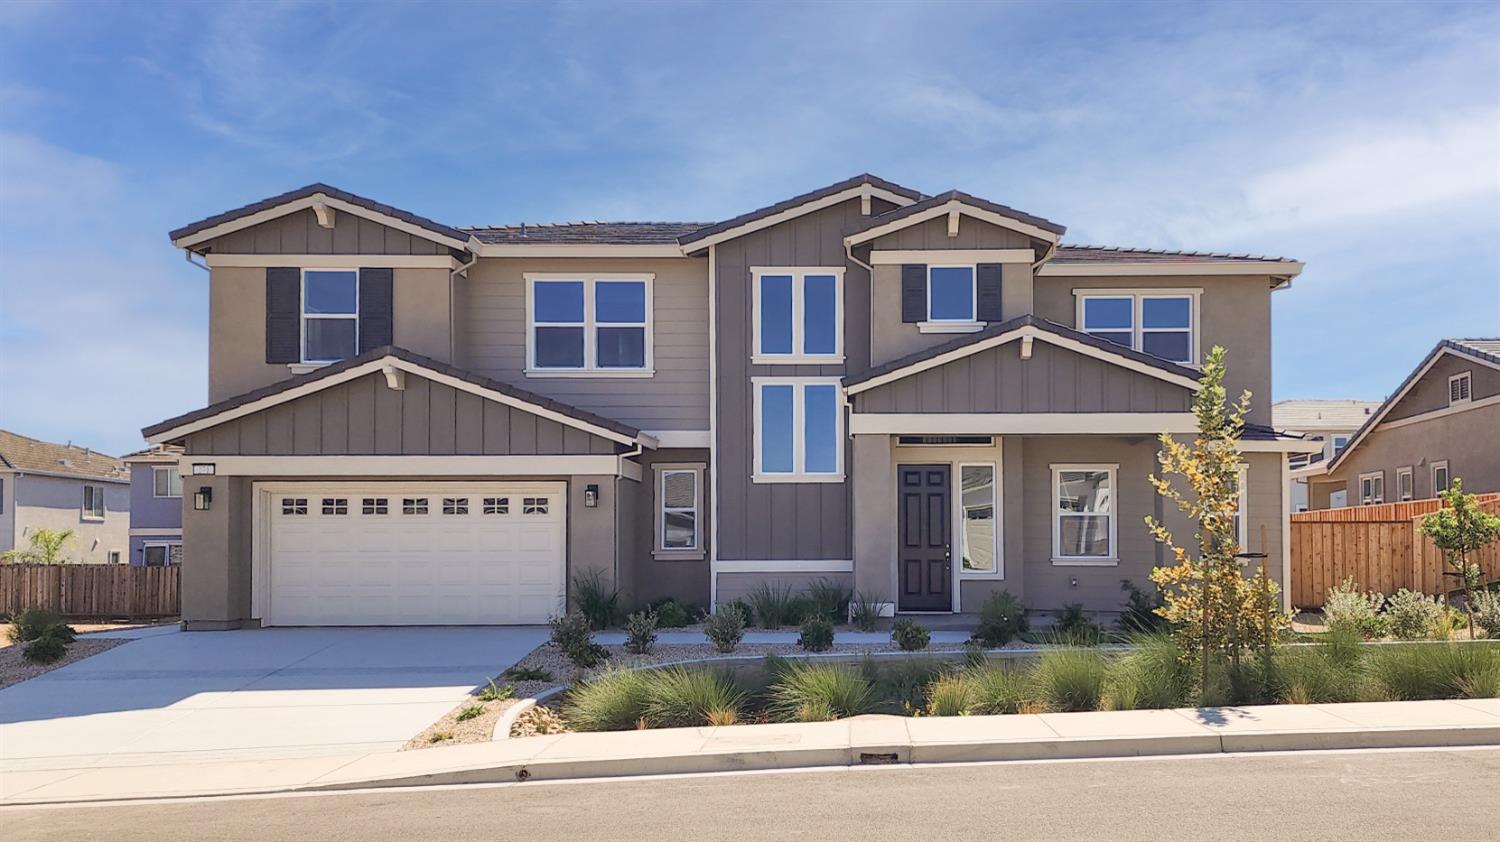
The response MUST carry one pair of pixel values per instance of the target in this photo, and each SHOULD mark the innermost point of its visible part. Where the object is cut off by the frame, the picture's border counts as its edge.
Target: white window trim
(968, 325)
(1137, 329)
(304, 316)
(166, 547)
(799, 305)
(1411, 484)
(659, 549)
(83, 505)
(1374, 498)
(1111, 560)
(798, 473)
(1441, 465)
(1242, 506)
(1467, 379)
(590, 367)
(155, 472)
(996, 524)
(1334, 448)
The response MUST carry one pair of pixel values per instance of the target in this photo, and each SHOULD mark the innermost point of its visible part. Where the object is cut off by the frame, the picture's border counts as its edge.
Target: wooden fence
(92, 591)
(1380, 547)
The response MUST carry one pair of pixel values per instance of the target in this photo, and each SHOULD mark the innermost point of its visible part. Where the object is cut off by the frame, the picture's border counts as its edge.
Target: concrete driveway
(173, 697)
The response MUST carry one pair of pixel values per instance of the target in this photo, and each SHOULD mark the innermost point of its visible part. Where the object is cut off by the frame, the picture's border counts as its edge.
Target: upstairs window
(1157, 322)
(93, 502)
(950, 294)
(330, 315)
(1339, 443)
(1460, 388)
(799, 430)
(597, 326)
(798, 315)
(166, 482)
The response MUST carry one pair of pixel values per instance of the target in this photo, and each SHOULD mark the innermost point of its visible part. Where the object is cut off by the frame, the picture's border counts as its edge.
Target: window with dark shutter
(987, 282)
(914, 292)
(283, 314)
(376, 308)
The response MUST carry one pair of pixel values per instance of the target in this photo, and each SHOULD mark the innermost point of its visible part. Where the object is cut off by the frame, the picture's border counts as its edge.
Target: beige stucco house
(63, 487)
(923, 397)
(1442, 423)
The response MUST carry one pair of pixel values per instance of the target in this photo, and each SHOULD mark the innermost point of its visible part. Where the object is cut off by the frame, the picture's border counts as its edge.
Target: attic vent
(66, 463)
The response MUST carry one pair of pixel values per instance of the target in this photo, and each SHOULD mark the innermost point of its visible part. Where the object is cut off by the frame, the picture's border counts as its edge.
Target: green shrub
(520, 673)
(469, 712)
(599, 601)
(1451, 671)
(865, 612)
(1346, 608)
(902, 685)
(1153, 675)
(725, 628)
(910, 636)
(682, 698)
(494, 693)
(747, 611)
(46, 649)
(640, 632)
(828, 599)
(996, 689)
(819, 692)
(1412, 616)
(773, 605)
(1487, 613)
(1001, 618)
(573, 634)
(1069, 679)
(817, 633)
(30, 624)
(951, 695)
(1322, 674)
(1072, 627)
(974, 654)
(1139, 616)
(613, 701)
(671, 614)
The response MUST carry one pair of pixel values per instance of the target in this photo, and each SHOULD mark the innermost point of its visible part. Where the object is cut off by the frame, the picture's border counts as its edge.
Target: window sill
(677, 555)
(305, 368)
(796, 359)
(597, 373)
(950, 327)
(1085, 562)
(90, 519)
(796, 478)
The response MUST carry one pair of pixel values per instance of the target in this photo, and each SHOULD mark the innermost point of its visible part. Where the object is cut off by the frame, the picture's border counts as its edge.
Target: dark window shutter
(283, 314)
(913, 292)
(987, 283)
(376, 308)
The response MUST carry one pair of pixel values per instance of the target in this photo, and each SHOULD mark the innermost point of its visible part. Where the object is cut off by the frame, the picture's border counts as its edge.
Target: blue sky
(1363, 139)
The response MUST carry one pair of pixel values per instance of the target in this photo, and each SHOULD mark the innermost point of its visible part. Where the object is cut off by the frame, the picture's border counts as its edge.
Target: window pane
(329, 339)
(1119, 338)
(776, 429)
(952, 293)
(978, 489)
(678, 530)
(1169, 346)
(620, 302)
(1083, 491)
(557, 301)
(819, 314)
(677, 489)
(1106, 313)
(1085, 535)
(330, 292)
(174, 482)
(821, 433)
(775, 314)
(620, 347)
(559, 347)
(1166, 312)
(155, 556)
(163, 483)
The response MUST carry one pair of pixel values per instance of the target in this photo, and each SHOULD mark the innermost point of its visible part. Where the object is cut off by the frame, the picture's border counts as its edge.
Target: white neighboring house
(1332, 422)
(44, 485)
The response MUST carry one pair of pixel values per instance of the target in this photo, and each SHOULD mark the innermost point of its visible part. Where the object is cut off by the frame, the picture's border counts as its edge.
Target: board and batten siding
(490, 330)
(300, 233)
(782, 521)
(1053, 380)
(366, 417)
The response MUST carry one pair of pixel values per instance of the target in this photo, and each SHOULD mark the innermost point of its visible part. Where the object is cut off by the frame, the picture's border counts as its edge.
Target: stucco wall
(1469, 441)
(43, 502)
(1431, 392)
(147, 511)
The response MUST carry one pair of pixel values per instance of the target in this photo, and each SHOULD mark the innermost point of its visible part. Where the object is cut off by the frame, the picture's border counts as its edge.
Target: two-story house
(155, 506)
(63, 488)
(1333, 422)
(926, 398)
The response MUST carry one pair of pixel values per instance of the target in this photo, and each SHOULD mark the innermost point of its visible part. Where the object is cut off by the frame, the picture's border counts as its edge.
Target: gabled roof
(875, 185)
(1069, 253)
(160, 453)
(954, 200)
(600, 233)
(1322, 414)
(1019, 328)
(222, 223)
(1484, 351)
(34, 456)
(376, 360)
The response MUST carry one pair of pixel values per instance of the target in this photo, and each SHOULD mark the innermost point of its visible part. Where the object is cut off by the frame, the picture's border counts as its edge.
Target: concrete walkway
(857, 741)
(671, 637)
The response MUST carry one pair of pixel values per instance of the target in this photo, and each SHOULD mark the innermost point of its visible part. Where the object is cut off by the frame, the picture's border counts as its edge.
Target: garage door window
(375, 506)
(533, 505)
(335, 505)
(455, 505)
(497, 505)
(414, 506)
(294, 505)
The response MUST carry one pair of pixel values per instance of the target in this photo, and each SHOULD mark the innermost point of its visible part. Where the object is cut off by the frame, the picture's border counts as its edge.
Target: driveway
(174, 697)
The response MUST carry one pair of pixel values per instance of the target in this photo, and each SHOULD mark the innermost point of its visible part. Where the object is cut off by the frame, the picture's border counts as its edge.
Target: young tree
(46, 548)
(1460, 528)
(1216, 611)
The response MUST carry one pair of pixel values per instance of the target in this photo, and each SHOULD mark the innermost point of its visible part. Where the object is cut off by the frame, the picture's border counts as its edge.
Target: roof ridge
(576, 222)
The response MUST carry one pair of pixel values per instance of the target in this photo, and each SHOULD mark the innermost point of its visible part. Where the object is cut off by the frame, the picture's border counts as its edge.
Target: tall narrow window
(677, 493)
(1083, 519)
(597, 325)
(330, 315)
(1405, 489)
(166, 482)
(798, 315)
(799, 430)
(1159, 322)
(977, 495)
(93, 502)
(1242, 509)
(1439, 477)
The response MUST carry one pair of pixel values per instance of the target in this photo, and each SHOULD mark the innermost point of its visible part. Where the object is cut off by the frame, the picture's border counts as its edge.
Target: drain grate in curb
(878, 758)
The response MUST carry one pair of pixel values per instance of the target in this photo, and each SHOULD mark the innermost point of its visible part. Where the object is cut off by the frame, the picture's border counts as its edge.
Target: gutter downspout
(1051, 252)
(187, 255)
(849, 251)
(452, 288)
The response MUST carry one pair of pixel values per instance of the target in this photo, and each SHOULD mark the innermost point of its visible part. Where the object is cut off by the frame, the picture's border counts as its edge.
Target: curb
(507, 719)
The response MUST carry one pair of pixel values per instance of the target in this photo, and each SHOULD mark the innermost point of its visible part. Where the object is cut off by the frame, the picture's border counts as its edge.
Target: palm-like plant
(47, 547)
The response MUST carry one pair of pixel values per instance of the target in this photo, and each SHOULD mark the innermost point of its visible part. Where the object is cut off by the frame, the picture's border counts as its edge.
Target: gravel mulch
(451, 731)
(14, 668)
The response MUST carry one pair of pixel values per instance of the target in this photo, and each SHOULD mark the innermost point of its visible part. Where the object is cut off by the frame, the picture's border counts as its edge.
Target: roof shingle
(589, 233)
(25, 454)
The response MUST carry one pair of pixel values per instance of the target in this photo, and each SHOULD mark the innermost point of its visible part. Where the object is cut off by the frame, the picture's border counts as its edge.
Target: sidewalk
(857, 741)
(671, 637)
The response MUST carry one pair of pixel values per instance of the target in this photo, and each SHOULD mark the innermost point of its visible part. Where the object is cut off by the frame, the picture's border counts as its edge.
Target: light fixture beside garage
(203, 498)
(590, 496)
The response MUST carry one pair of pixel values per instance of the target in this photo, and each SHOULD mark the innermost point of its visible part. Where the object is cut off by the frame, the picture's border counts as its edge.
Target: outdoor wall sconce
(590, 496)
(203, 498)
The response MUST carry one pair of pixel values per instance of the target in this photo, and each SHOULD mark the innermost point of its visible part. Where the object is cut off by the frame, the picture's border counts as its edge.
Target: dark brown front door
(926, 560)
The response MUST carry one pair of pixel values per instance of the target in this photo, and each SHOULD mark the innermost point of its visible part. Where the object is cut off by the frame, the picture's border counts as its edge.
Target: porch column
(874, 517)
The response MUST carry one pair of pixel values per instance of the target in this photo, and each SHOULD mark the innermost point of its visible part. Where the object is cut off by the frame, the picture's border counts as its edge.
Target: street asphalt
(1449, 795)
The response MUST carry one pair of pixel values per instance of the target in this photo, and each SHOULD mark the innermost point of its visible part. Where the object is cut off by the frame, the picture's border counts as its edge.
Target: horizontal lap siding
(365, 417)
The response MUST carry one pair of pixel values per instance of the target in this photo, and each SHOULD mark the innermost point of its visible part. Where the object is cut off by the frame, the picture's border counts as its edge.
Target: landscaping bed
(14, 668)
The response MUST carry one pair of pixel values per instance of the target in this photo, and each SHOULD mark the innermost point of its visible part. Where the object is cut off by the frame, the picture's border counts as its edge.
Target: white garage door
(408, 554)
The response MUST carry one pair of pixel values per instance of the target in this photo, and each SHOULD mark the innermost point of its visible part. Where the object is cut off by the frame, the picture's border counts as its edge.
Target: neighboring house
(59, 486)
(1332, 422)
(1441, 423)
(924, 398)
(155, 506)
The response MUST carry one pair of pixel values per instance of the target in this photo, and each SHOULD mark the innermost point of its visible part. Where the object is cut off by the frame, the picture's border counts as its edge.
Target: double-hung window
(166, 482)
(93, 502)
(799, 429)
(798, 315)
(330, 314)
(1083, 518)
(592, 325)
(1162, 323)
(1372, 488)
